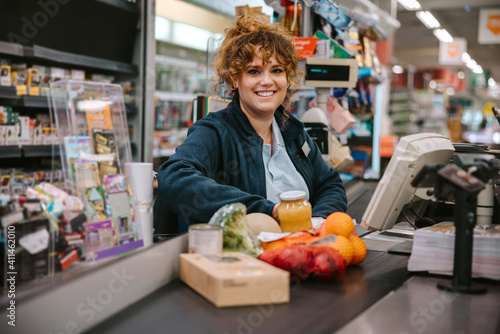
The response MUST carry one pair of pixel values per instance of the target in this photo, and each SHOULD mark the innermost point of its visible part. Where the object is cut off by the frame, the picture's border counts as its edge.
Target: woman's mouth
(265, 94)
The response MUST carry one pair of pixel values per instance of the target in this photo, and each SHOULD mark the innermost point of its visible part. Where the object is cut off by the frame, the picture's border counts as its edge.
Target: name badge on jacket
(306, 149)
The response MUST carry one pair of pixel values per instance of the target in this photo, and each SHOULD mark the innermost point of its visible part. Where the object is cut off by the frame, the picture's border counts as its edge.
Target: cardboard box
(235, 279)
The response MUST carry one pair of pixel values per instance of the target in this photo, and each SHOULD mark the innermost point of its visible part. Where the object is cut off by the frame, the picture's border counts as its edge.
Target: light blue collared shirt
(281, 174)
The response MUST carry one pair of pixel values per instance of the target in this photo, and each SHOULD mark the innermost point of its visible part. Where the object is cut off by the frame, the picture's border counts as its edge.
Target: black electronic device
(339, 73)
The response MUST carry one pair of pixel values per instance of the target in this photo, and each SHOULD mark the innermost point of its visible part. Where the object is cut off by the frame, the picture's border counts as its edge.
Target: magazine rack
(94, 145)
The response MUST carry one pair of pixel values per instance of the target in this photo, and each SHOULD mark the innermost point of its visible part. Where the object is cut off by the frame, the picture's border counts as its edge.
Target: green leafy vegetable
(236, 237)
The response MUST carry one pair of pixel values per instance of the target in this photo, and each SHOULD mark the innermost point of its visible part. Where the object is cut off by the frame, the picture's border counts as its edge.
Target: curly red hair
(243, 40)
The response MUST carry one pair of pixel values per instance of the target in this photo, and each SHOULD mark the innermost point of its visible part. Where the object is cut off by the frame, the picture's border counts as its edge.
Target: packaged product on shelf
(5, 79)
(74, 147)
(335, 49)
(36, 131)
(17, 184)
(77, 75)
(44, 79)
(24, 130)
(89, 187)
(33, 82)
(56, 74)
(117, 201)
(19, 81)
(2, 135)
(100, 235)
(12, 135)
(29, 180)
(5, 179)
(104, 144)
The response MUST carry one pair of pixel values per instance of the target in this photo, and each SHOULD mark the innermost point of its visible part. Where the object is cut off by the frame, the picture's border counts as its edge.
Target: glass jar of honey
(294, 211)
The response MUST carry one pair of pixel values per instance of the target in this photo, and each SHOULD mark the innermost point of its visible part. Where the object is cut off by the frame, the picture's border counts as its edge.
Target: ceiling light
(477, 69)
(461, 75)
(432, 84)
(466, 57)
(491, 82)
(410, 4)
(443, 35)
(397, 69)
(428, 19)
(471, 64)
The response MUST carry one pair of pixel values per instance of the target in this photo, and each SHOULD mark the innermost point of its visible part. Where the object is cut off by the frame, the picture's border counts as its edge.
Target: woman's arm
(187, 181)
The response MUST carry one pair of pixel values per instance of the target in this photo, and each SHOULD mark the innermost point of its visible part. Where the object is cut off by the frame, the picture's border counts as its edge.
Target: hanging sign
(451, 53)
(489, 26)
(305, 46)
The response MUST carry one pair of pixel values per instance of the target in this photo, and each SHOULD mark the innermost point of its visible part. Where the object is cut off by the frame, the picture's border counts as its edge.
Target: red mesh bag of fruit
(319, 263)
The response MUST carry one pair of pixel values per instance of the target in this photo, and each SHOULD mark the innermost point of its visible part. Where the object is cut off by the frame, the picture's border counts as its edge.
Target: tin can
(205, 239)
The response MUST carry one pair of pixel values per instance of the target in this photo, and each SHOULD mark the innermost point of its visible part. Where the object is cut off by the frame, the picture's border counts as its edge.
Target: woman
(254, 149)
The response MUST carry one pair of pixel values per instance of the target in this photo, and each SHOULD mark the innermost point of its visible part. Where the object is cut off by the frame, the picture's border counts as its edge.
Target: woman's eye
(278, 70)
(253, 72)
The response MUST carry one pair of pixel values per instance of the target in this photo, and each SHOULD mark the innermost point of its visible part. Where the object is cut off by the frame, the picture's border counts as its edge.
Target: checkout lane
(314, 307)
(377, 296)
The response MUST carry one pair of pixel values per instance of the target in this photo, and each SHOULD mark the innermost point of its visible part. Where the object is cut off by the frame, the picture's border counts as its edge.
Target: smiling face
(261, 87)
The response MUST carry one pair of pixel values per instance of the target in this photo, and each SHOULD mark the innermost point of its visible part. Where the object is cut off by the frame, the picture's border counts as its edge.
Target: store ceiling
(416, 45)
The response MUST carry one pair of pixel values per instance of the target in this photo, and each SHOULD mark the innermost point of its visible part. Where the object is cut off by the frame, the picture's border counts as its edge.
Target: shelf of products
(29, 151)
(402, 112)
(48, 56)
(79, 28)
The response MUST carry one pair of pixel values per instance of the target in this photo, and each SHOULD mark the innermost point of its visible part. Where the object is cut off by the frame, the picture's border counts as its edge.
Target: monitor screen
(395, 198)
(341, 73)
(327, 72)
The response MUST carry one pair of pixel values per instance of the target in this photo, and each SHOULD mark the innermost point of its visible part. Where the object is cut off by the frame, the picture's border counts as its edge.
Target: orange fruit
(303, 237)
(359, 249)
(280, 243)
(344, 247)
(339, 223)
(320, 230)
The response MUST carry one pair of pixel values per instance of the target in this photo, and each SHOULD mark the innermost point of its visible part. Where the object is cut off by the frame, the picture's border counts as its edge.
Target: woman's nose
(265, 78)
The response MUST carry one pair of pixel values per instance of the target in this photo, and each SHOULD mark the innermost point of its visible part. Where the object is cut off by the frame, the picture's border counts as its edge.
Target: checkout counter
(141, 293)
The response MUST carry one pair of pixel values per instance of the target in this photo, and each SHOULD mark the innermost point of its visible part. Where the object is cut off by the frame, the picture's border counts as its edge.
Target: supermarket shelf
(10, 152)
(28, 151)
(8, 92)
(52, 56)
(173, 96)
(35, 101)
(36, 151)
(12, 49)
(24, 100)
(42, 53)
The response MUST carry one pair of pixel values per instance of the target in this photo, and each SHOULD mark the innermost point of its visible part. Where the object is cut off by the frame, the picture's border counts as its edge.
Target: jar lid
(292, 195)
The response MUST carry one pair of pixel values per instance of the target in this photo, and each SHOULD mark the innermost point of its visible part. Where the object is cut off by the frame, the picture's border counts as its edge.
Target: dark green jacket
(220, 163)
